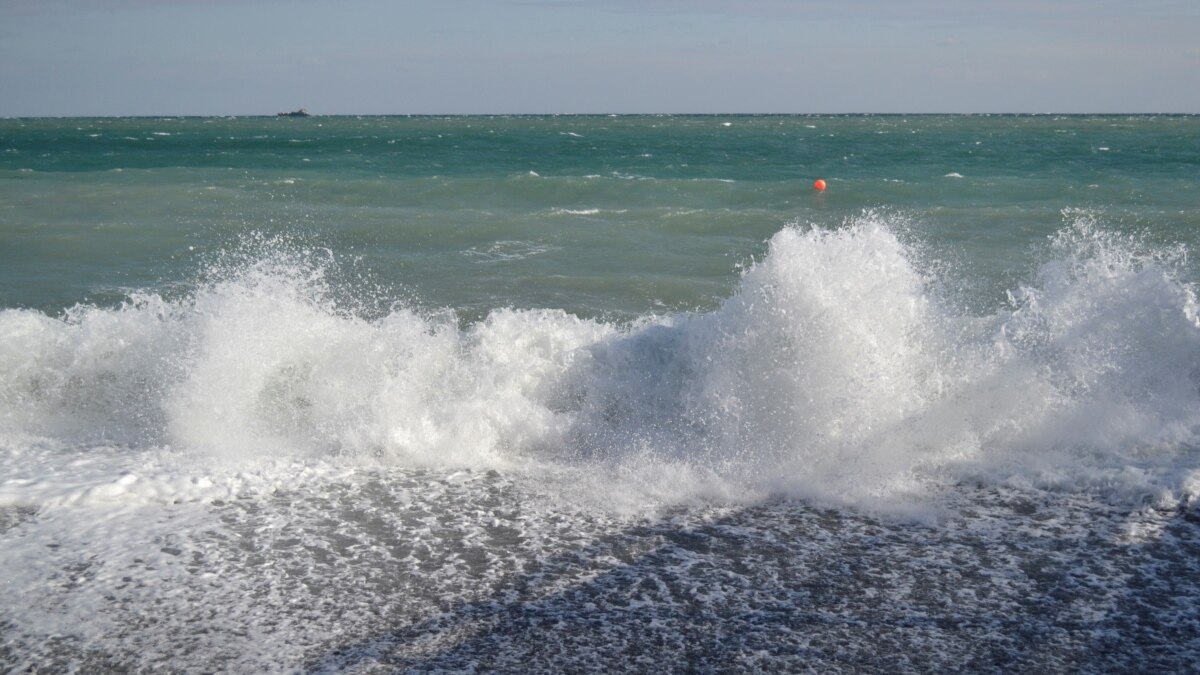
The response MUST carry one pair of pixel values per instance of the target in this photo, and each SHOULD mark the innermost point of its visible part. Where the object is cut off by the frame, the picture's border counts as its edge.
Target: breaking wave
(834, 372)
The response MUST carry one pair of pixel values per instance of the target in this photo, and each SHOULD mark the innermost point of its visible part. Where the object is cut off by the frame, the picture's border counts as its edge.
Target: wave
(506, 251)
(836, 372)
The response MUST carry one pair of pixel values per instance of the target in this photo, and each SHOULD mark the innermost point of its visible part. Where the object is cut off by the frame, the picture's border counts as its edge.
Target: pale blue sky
(211, 57)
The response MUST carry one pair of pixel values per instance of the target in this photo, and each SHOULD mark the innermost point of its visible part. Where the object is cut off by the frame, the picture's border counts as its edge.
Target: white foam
(833, 372)
(507, 251)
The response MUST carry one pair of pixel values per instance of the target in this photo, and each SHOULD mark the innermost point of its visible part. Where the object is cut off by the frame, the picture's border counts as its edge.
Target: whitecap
(506, 251)
(834, 372)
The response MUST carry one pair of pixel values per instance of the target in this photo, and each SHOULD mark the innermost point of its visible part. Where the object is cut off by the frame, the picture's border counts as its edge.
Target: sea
(571, 393)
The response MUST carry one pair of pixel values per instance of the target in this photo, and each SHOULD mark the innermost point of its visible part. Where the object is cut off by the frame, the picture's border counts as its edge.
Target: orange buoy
(819, 184)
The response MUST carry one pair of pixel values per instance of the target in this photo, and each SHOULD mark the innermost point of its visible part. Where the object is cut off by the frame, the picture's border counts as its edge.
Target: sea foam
(834, 372)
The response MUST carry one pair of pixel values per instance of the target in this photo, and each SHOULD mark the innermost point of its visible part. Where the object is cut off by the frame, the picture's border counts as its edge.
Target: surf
(840, 370)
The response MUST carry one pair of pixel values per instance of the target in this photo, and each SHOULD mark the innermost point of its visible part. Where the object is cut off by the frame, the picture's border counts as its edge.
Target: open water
(596, 393)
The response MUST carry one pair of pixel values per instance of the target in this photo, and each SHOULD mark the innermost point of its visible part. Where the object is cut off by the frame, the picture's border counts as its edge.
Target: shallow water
(393, 570)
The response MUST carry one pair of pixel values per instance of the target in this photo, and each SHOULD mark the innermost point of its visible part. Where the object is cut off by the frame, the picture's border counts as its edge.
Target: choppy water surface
(596, 393)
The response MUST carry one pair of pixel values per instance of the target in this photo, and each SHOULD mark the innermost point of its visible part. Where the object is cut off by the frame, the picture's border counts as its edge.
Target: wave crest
(833, 372)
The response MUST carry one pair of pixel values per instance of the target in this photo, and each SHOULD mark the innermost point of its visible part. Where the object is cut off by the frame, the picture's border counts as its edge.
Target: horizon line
(627, 114)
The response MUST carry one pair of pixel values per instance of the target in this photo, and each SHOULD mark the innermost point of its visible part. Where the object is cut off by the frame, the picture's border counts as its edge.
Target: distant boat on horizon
(295, 113)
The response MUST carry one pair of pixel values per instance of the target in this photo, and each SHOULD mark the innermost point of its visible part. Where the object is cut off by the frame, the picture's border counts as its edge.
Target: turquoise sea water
(593, 215)
(600, 393)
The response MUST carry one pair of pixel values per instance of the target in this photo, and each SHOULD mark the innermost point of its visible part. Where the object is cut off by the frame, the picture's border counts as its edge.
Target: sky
(230, 57)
